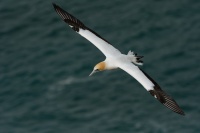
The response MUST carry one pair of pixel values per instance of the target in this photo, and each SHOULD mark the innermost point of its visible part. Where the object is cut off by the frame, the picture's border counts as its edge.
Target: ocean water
(44, 67)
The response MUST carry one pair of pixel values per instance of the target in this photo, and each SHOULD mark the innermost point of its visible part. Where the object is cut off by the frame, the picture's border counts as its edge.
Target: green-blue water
(44, 67)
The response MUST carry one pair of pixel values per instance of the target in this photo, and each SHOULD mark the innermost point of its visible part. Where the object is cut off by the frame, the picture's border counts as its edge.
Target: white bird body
(115, 59)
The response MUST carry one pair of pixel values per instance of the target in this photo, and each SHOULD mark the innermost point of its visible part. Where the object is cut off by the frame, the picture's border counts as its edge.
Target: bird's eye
(97, 70)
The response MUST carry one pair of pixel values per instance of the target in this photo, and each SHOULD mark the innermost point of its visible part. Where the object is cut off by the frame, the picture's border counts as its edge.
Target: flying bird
(115, 59)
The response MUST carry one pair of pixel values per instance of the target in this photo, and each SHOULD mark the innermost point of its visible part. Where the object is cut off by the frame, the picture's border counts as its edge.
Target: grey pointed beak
(92, 73)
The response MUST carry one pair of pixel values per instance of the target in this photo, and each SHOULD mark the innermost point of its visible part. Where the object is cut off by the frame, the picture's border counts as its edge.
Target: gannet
(115, 59)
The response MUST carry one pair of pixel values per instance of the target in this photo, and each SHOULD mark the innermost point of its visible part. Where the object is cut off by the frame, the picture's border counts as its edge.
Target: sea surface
(44, 67)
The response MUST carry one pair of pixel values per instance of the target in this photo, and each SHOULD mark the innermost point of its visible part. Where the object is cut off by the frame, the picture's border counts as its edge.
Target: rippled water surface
(44, 67)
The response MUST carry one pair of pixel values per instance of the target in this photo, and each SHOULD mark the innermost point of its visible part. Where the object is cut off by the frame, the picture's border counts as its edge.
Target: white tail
(135, 58)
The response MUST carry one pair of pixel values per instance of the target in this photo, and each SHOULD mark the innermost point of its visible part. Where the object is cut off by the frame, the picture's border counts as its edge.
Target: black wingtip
(163, 97)
(183, 113)
(72, 21)
(55, 6)
(166, 100)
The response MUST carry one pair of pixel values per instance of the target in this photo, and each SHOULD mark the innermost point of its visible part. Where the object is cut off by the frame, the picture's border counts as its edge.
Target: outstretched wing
(151, 86)
(106, 48)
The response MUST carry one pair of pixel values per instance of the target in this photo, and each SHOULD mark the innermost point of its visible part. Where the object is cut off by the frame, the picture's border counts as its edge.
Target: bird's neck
(109, 65)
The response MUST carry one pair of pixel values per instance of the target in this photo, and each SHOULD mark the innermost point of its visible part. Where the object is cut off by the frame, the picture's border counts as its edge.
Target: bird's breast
(112, 62)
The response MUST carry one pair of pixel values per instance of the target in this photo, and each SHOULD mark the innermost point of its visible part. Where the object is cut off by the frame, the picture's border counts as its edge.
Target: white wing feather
(136, 73)
(106, 48)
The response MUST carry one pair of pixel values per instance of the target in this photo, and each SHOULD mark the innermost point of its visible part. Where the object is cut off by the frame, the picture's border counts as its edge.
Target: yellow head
(99, 67)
